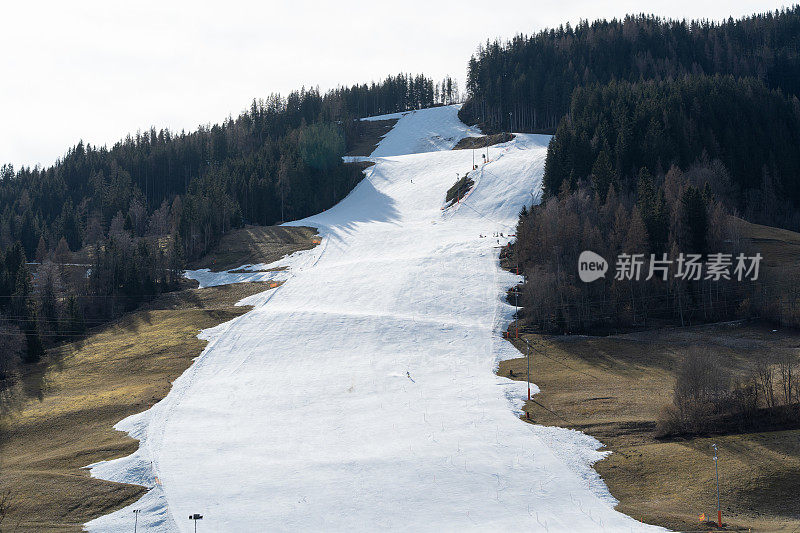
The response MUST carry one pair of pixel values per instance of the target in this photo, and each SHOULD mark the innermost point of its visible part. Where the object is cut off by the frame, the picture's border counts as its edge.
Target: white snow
(388, 116)
(247, 273)
(206, 278)
(360, 395)
(423, 131)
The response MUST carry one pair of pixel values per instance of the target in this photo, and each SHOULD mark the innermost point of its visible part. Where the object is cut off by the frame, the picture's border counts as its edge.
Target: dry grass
(371, 133)
(779, 247)
(613, 388)
(257, 244)
(483, 141)
(62, 415)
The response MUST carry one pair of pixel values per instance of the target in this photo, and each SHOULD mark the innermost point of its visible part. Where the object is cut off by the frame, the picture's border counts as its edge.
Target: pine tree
(41, 250)
(695, 220)
(603, 174)
(62, 255)
(74, 323)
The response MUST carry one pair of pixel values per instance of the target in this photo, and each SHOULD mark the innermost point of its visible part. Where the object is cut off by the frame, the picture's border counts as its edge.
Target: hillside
(356, 390)
(321, 314)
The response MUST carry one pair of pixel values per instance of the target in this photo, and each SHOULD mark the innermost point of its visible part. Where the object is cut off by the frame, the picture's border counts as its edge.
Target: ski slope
(360, 395)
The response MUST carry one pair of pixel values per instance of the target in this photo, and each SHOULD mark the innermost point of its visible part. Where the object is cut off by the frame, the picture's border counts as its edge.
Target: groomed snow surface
(360, 395)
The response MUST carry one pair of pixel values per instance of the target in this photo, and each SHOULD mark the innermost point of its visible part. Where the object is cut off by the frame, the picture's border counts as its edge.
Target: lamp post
(528, 358)
(716, 472)
(516, 310)
(195, 517)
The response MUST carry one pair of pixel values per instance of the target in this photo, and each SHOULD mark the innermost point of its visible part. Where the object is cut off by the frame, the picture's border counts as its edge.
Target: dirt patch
(250, 271)
(459, 190)
(613, 388)
(483, 141)
(370, 133)
(257, 244)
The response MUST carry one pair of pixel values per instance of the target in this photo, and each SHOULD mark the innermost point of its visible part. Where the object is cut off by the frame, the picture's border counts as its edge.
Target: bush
(702, 393)
(707, 400)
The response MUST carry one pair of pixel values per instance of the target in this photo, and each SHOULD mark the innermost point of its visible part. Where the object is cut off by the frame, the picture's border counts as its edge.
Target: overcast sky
(97, 70)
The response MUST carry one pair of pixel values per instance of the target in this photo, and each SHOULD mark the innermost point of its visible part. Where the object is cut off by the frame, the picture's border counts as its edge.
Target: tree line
(614, 130)
(660, 168)
(394, 94)
(526, 84)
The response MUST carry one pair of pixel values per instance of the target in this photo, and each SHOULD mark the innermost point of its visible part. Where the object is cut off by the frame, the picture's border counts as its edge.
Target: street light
(528, 357)
(195, 517)
(716, 471)
(136, 519)
(516, 310)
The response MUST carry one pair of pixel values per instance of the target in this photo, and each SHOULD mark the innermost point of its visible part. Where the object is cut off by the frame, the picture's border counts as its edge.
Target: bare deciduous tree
(12, 344)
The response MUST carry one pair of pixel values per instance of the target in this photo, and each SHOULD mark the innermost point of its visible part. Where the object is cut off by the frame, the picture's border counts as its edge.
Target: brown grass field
(780, 247)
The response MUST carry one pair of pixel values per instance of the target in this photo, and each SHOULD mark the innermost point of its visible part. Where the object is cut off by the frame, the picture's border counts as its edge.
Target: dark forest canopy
(256, 168)
(613, 131)
(526, 83)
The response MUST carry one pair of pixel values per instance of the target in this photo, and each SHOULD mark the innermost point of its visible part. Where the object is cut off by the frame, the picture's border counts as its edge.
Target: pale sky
(98, 70)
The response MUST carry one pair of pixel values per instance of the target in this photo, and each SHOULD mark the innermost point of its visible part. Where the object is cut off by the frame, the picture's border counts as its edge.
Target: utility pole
(716, 471)
(136, 519)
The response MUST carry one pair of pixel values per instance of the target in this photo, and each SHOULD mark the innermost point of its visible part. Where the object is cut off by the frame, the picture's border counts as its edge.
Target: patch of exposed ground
(257, 244)
(370, 133)
(483, 141)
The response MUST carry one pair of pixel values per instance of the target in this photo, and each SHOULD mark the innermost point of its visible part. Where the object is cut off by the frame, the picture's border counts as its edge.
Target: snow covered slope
(422, 131)
(360, 395)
